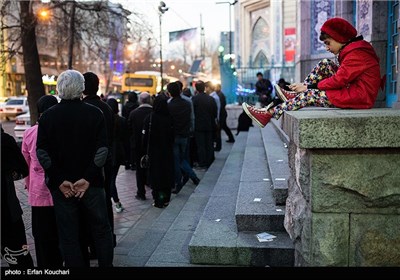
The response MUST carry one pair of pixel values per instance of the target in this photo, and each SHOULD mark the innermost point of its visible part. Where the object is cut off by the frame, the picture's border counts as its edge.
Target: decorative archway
(261, 60)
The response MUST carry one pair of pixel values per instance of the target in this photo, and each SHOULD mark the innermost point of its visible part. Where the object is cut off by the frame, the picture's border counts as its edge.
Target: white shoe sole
(280, 93)
(244, 106)
(269, 106)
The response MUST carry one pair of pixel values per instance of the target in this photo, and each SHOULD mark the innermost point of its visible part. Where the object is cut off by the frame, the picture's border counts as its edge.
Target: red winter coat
(356, 83)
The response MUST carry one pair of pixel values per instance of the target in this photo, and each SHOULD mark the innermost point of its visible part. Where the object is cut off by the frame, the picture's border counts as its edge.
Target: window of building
(260, 30)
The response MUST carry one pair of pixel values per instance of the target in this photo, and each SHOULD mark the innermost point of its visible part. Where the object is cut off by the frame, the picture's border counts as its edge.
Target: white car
(14, 106)
(22, 123)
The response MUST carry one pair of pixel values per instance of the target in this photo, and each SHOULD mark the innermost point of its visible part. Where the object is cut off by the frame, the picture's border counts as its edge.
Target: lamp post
(230, 26)
(162, 8)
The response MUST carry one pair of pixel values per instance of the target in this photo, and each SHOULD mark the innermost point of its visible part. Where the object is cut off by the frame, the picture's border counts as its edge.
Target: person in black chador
(263, 90)
(161, 145)
(129, 106)
(118, 153)
(14, 248)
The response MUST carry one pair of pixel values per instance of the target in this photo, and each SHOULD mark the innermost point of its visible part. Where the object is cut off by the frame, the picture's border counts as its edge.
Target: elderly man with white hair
(72, 149)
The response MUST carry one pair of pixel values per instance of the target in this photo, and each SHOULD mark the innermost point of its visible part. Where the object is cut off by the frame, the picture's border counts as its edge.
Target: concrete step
(276, 253)
(275, 144)
(162, 236)
(216, 240)
(180, 218)
(255, 205)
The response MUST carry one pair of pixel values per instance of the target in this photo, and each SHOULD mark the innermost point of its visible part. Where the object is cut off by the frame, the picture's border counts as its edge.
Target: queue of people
(71, 157)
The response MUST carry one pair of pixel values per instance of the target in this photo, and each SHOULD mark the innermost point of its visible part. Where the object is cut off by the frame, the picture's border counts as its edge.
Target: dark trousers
(141, 176)
(180, 161)
(67, 214)
(13, 244)
(205, 147)
(218, 140)
(108, 172)
(192, 153)
(113, 183)
(44, 230)
(86, 238)
(227, 130)
(130, 159)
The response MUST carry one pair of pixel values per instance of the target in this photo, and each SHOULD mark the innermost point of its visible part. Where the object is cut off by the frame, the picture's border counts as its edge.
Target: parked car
(22, 123)
(14, 106)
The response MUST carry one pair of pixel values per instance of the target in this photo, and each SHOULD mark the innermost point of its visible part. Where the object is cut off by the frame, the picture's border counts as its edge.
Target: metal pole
(229, 36)
(161, 62)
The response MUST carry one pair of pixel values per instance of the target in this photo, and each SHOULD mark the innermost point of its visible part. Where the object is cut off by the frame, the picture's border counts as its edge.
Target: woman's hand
(298, 87)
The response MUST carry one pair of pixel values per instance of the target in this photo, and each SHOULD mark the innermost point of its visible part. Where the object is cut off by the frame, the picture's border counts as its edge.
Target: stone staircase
(275, 144)
(216, 222)
(242, 204)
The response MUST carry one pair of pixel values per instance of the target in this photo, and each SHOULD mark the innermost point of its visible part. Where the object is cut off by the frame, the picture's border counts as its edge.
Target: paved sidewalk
(126, 184)
(135, 210)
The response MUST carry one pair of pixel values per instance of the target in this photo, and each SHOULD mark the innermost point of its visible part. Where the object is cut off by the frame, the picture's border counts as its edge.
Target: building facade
(281, 38)
(265, 41)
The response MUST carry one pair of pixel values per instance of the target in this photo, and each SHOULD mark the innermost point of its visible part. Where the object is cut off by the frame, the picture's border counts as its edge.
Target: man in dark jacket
(223, 115)
(72, 149)
(14, 248)
(205, 116)
(180, 111)
(90, 96)
(135, 123)
(263, 90)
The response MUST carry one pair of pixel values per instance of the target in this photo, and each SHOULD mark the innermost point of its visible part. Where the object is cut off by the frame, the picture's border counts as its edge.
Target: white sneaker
(118, 207)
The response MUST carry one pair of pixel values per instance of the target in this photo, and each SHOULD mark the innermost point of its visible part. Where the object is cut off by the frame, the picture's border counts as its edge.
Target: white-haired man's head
(144, 98)
(70, 85)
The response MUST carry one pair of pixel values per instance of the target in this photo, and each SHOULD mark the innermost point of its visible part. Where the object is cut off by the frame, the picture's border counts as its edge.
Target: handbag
(145, 159)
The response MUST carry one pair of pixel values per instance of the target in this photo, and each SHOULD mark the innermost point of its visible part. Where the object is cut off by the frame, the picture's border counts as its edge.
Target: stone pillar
(343, 207)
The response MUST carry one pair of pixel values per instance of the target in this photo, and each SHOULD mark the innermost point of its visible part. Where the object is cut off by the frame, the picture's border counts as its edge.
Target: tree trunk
(71, 36)
(33, 73)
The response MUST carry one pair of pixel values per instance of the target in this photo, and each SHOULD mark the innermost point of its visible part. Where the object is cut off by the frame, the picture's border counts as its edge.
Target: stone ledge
(337, 128)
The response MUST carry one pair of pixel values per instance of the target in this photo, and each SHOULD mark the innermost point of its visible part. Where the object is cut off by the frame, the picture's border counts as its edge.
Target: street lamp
(230, 27)
(43, 14)
(162, 8)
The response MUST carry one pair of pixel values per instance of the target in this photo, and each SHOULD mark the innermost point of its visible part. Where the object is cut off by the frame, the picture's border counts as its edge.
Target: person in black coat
(135, 124)
(205, 121)
(263, 90)
(90, 96)
(72, 149)
(14, 248)
(223, 115)
(159, 136)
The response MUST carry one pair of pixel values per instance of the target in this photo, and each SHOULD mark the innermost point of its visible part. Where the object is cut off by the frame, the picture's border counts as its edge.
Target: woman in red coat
(352, 83)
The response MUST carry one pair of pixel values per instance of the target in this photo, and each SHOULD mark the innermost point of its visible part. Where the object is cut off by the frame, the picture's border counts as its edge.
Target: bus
(141, 81)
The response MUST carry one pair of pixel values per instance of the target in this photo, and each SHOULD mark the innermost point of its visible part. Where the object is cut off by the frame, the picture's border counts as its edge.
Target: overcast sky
(184, 14)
